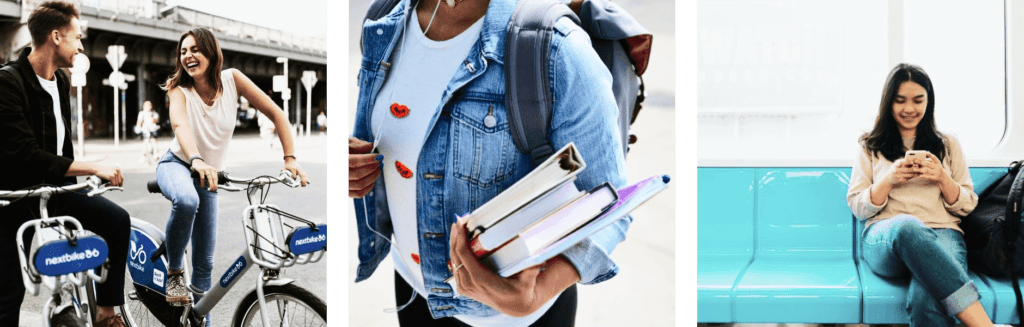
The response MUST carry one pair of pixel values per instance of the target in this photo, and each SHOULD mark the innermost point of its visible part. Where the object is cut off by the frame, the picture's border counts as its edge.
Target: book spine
(510, 226)
(507, 255)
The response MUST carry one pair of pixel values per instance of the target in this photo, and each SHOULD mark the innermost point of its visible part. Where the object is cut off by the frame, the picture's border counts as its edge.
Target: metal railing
(241, 29)
(150, 9)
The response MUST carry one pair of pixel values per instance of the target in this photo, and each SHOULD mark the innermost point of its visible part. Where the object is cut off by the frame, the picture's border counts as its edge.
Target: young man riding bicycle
(36, 148)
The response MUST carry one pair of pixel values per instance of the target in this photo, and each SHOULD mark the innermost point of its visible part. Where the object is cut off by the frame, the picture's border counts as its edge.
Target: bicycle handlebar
(227, 182)
(93, 183)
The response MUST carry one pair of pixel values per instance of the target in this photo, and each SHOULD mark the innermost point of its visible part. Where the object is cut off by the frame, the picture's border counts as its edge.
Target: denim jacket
(464, 162)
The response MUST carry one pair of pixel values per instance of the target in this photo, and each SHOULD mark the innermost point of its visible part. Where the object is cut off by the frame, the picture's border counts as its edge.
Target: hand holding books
(517, 295)
(543, 214)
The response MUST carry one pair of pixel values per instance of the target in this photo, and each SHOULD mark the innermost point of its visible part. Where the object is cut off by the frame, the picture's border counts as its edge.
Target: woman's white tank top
(212, 126)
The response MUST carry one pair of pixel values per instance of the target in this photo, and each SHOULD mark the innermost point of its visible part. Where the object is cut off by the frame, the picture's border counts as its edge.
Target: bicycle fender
(279, 282)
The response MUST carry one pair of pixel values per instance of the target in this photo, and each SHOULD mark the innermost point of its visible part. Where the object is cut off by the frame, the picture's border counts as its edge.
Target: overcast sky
(299, 17)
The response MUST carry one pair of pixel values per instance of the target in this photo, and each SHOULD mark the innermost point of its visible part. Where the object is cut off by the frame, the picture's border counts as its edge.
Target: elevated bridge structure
(149, 31)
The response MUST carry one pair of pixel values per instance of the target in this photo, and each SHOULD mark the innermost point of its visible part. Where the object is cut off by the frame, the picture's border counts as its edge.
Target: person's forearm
(79, 168)
(558, 276)
(880, 192)
(950, 190)
(284, 133)
(186, 142)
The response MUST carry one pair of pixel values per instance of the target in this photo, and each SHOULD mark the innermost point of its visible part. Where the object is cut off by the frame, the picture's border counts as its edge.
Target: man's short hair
(51, 15)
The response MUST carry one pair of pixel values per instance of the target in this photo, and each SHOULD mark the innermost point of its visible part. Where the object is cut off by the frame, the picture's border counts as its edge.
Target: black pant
(97, 215)
(561, 314)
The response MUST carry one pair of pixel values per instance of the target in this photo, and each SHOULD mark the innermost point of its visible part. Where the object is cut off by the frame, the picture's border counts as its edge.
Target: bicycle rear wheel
(287, 305)
(145, 307)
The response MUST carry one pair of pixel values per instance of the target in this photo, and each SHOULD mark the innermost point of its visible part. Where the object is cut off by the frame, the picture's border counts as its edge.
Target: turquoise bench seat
(801, 270)
(723, 258)
(779, 245)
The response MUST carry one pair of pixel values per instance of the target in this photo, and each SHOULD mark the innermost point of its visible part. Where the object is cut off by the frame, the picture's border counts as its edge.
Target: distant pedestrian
(147, 125)
(204, 108)
(321, 122)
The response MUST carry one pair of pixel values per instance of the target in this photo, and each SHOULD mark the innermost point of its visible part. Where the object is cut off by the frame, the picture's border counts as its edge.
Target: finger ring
(449, 279)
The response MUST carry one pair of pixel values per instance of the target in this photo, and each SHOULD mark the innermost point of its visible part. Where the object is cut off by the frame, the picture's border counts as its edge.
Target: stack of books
(543, 214)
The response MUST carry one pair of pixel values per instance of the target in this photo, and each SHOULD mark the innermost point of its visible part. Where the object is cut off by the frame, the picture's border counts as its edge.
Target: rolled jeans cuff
(962, 298)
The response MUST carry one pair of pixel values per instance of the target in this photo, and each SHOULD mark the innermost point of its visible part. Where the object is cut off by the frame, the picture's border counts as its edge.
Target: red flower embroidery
(399, 110)
(403, 170)
(416, 258)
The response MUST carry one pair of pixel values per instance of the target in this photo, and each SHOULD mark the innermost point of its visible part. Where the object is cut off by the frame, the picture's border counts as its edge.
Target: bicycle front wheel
(287, 305)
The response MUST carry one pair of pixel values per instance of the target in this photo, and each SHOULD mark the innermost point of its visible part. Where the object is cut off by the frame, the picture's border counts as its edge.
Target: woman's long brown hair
(210, 48)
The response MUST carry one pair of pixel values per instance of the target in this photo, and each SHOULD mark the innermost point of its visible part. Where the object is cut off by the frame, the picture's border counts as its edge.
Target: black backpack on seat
(992, 231)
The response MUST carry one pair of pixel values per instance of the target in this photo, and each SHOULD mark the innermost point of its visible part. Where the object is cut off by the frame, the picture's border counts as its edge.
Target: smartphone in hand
(915, 157)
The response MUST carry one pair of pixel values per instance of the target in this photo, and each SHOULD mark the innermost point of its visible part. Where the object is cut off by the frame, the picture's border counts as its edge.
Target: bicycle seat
(57, 257)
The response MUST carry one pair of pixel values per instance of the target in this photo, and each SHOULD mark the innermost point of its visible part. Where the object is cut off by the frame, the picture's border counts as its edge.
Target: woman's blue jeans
(935, 259)
(193, 216)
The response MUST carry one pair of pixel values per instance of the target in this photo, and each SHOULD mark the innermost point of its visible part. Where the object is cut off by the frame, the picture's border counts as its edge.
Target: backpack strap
(378, 9)
(1014, 206)
(528, 98)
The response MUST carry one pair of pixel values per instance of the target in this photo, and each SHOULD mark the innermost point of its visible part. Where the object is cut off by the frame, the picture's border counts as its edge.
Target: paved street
(249, 157)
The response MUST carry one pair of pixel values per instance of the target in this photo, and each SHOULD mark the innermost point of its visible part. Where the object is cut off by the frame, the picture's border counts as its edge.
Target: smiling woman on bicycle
(203, 109)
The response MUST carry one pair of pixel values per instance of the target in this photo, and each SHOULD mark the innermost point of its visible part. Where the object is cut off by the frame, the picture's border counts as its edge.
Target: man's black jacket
(28, 129)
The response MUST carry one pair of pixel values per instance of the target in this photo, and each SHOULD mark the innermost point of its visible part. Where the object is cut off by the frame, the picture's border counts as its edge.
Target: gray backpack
(623, 45)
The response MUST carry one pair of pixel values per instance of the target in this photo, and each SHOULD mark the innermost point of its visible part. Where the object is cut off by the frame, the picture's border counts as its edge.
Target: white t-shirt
(51, 88)
(212, 126)
(420, 73)
(321, 120)
(149, 119)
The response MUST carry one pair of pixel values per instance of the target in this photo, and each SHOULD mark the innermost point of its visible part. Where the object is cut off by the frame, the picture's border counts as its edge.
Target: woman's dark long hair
(210, 48)
(885, 137)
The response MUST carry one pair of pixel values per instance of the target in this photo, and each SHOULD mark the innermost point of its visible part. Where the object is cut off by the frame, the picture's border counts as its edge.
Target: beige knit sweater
(917, 197)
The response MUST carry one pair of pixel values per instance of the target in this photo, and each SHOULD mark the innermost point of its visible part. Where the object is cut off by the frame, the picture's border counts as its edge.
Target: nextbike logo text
(74, 256)
(312, 239)
(233, 272)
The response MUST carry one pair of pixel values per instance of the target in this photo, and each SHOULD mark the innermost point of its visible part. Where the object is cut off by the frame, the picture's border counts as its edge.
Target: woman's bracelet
(290, 156)
(193, 159)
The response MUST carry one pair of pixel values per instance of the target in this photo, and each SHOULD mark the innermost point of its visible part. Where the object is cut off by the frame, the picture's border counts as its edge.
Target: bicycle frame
(263, 231)
(145, 238)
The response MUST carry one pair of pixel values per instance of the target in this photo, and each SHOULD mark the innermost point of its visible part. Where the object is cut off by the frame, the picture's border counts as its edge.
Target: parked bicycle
(61, 256)
(274, 239)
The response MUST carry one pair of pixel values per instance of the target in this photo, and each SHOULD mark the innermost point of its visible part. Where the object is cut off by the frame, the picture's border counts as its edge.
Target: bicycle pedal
(184, 303)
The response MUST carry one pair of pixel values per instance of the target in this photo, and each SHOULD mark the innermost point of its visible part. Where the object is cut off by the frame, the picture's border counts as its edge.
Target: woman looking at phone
(913, 203)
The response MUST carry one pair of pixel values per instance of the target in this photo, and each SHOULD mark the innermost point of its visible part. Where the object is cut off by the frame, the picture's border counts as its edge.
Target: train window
(802, 79)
